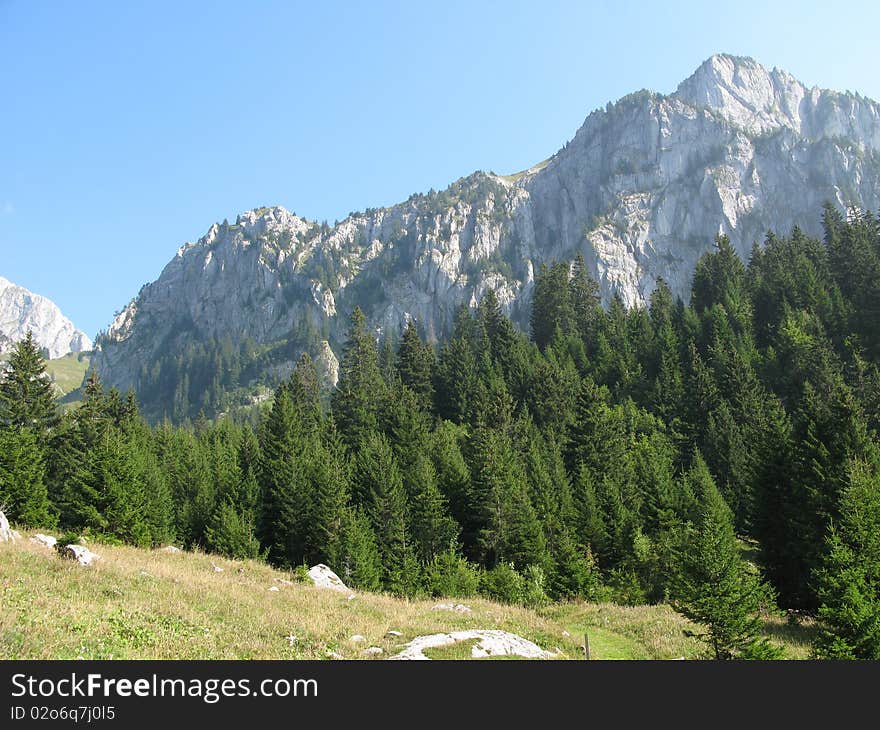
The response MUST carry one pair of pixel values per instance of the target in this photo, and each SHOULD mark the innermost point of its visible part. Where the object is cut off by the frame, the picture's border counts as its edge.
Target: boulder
(5, 530)
(323, 577)
(79, 553)
(44, 540)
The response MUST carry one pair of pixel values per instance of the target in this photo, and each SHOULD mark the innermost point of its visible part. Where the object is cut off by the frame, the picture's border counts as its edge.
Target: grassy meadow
(151, 604)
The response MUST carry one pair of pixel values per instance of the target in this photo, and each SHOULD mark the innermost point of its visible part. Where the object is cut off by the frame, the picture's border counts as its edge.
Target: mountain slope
(22, 310)
(641, 190)
(149, 604)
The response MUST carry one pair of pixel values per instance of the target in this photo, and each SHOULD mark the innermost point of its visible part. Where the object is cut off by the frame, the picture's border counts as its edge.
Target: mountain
(641, 190)
(22, 310)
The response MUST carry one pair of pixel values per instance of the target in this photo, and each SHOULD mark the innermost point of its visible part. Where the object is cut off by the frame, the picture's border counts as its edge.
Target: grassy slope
(67, 372)
(138, 604)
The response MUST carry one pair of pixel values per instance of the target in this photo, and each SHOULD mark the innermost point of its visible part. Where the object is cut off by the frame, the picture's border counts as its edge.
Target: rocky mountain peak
(745, 93)
(641, 192)
(22, 310)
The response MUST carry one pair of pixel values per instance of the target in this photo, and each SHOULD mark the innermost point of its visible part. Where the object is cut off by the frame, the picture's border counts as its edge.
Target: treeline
(626, 455)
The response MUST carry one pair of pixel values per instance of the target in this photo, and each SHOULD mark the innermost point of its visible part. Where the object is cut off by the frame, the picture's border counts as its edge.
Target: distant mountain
(22, 310)
(641, 190)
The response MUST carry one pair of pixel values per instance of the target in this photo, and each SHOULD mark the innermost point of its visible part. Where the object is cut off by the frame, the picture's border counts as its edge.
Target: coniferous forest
(721, 455)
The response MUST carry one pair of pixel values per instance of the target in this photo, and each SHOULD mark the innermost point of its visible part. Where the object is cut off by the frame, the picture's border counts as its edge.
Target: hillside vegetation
(150, 604)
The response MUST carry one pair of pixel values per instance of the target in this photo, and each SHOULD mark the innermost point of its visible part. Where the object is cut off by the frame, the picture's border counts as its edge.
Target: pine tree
(26, 397)
(415, 365)
(849, 579)
(360, 390)
(710, 582)
(359, 563)
(23, 495)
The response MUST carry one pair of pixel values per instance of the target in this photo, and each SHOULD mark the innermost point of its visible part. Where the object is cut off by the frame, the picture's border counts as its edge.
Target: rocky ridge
(641, 190)
(22, 310)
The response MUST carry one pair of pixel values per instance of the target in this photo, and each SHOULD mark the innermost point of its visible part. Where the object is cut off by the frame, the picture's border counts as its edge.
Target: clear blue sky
(127, 128)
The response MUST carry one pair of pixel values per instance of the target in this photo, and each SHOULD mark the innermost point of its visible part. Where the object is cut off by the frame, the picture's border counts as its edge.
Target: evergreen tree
(415, 365)
(23, 495)
(711, 583)
(849, 581)
(26, 397)
(360, 389)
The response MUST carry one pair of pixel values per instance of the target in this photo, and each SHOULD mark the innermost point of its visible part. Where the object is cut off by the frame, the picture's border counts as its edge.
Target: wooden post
(586, 646)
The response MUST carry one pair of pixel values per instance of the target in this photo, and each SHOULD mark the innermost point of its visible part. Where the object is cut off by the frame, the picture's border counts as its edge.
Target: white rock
(6, 532)
(393, 633)
(373, 650)
(171, 549)
(333, 655)
(457, 607)
(80, 553)
(274, 589)
(489, 643)
(323, 577)
(284, 581)
(358, 639)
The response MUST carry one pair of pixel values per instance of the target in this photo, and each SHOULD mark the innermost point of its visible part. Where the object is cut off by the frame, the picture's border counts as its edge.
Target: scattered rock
(284, 581)
(373, 650)
(80, 553)
(217, 568)
(351, 596)
(6, 532)
(395, 634)
(565, 633)
(357, 638)
(457, 607)
(291, 639)
(274, 589)
(333, 655)
(490, 643)
(44, 540)
(170, 549)
(323, 577)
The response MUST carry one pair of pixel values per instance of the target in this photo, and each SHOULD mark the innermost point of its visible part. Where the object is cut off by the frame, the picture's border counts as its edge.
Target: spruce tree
(26, 395)
(360, 390)
(849, 579)
(711, 583)
(23, 495)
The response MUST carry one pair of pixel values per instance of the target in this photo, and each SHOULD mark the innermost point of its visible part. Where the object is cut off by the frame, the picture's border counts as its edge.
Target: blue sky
(127, 128)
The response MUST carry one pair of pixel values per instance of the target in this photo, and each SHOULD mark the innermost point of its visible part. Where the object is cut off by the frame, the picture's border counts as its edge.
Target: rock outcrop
(641, 191)
(323, 577)
(6, 532)
(22, 310)
(80, 553)
(488, 643)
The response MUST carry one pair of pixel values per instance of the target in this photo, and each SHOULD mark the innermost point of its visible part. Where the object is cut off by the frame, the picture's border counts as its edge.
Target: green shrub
(449, 574)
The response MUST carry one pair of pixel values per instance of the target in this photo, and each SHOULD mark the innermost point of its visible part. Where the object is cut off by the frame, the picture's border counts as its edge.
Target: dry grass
(139, 604)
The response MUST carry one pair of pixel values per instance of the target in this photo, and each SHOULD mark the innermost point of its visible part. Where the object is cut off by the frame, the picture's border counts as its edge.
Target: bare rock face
(323, 577)
(22, 310)
(641, 191)
(80, 553)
